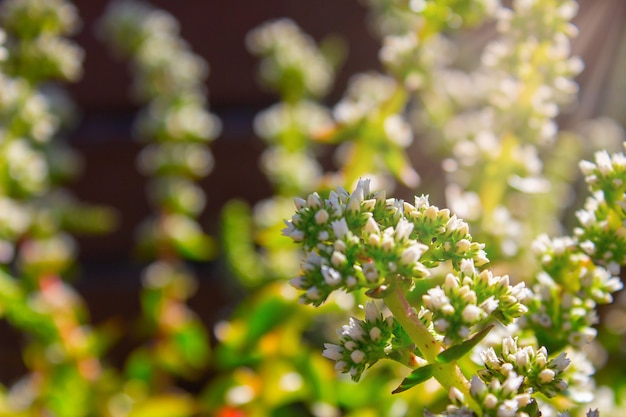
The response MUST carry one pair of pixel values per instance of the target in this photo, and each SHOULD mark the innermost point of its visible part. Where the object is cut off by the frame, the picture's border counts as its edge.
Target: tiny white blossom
(472, 313)
(341, 366)
(314, 200)
(411, 254)
(441, 325)
(490, 401)
(338, 258)
(292, 232)
(300, 203)
(351, 281)
(403, 230)
(371, 226)
(467, 267)
(331, 276)
(357, 356)
(332, 351)
(463, 245)
(431, 213)
(490, 305)
(603, 161)
(477, 386)
(435, 298)
(522, 357)
(370, 272)
(313, 293)
(546, 376)
(508, 408)
(353, 330)
(350, 345)
(371, 312)
(340, 228)
(321, 216)
(299, 283)
(375, 333)
(512, 383)
(456, 396)
(490, 358)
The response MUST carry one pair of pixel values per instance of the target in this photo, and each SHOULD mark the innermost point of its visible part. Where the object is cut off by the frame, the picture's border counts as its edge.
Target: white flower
(333, 352)
(371, 312)
(472, 313)
(435, 298)
(490, 305)
(490, 359)
(375, 333)
(340, 228)
(353, 330)
(403, 230)
(490, 401)
(321, 216)
(314, 200)
(603, 161)
(587, 167)
(313, 293)
(467, 267)
(331, 276)
(299, 283)
(477, 386)
(456, 396)
(546, 376)
(338, 258)
(512, 383)
(370, 272)
(300, 203)
(371, 226)
(357, 356)
(463, 245)
(508, 408)
(292, 232)
(411, 254)
(358, 195)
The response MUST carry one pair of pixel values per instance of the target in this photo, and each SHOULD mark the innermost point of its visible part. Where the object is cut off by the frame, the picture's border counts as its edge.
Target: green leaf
(458, 351)
(415, 378)
(192, 343)
(167, 405)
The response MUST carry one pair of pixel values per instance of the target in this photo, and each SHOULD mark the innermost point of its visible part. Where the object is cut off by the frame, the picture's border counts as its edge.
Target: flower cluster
(292, 62)
(580, 272)
(302, 73)
(497, 115)
(535, 37)
(538, 373)
(170, 77)
(471, 299)
(603, 220)
(361, 239)
(508, 383)
(37, 49)
(362, 343)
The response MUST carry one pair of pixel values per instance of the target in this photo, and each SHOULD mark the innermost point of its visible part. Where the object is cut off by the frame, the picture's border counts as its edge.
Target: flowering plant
(442, 299)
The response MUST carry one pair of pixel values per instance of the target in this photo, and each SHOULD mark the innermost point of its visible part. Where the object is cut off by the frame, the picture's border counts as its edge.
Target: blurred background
(109, 271)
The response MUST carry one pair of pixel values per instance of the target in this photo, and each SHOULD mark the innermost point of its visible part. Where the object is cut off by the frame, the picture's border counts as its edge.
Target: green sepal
(415, 378)
(458, 351)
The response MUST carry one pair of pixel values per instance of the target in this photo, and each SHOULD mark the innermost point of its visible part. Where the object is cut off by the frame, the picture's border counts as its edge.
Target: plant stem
(447, 374)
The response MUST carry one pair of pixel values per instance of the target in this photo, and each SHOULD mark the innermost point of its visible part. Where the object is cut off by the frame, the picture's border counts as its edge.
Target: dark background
(215, 29)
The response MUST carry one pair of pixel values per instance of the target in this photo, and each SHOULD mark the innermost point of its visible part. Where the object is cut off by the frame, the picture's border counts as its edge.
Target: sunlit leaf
(165, 406)
(415, 378)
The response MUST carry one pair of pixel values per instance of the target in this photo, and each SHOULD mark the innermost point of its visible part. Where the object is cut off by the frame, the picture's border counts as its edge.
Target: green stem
(447, 374)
